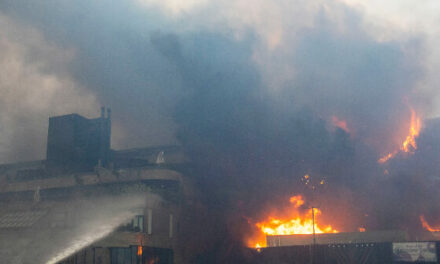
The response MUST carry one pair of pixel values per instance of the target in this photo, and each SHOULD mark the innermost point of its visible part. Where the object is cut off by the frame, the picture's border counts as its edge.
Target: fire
(258, 247)
(153, 261)
(409, 145)
(295, 222)
(139, 251)
(296, 200)
(387, 157)
(427, 226)
(342, 124)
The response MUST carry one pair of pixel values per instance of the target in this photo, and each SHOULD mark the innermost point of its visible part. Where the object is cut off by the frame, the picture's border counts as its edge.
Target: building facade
(88, 204)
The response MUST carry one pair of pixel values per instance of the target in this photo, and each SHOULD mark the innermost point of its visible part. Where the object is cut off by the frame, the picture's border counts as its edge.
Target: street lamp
(313, 219)
(314, 237)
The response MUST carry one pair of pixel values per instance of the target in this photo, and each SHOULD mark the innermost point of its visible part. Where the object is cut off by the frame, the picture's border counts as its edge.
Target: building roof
(338, 238)
(20, 219)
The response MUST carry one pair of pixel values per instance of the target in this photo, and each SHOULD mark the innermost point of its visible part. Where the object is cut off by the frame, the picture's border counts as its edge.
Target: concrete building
(77, 143)
(89, 204)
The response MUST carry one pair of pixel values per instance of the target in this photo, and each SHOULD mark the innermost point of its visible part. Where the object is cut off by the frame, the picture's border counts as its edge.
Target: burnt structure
(87, 203)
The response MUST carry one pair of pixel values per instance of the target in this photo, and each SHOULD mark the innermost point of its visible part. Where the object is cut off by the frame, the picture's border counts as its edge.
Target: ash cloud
(251, 100)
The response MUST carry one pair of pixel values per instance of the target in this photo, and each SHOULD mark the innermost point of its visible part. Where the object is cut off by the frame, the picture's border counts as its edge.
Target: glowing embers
(387, 157)
(258, 247)
(342, 124)
(293, 220)
(409, 145)
(428, 226)
(312, 183)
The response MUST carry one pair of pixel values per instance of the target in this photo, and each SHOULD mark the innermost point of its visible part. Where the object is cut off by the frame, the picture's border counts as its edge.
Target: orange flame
(153, 261)
(427, 226)
(295, 223)
(387, 157)
(409, 145)
(296, 200)
(342, 124)
(139, 252)
(258, 247)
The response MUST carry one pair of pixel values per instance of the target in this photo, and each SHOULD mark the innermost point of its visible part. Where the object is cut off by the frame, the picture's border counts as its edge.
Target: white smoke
(34, 84)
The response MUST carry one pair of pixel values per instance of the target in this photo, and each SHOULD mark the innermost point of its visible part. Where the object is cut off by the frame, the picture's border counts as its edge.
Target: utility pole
(314, 237)
(313, 216)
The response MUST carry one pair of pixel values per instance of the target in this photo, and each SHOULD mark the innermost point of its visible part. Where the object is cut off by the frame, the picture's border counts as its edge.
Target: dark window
(135, 225)
(123, 255)
(138, 223)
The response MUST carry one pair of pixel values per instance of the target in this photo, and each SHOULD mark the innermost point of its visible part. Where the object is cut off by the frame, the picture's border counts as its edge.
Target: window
(135, 225)
(123, 255)
(138, 223)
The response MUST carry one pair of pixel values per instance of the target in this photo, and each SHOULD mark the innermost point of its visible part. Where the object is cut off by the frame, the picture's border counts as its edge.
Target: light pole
(313, 219)
(314, 236)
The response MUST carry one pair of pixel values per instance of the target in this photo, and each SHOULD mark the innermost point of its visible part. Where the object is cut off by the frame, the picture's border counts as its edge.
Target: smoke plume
(251, 91)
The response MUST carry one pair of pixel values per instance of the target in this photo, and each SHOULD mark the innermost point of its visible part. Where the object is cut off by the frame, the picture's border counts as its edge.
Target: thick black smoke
(342, 72)
(410, 185)
(250, 150)
(248, 153)
(251, 143)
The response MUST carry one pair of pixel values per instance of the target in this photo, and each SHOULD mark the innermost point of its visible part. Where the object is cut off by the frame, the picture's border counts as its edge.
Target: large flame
(409, 145)
(294, 222)
(428, 226)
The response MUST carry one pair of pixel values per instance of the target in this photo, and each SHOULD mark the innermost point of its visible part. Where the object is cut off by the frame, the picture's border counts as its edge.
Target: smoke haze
(130, 56)
(92, 220)
(249, 90)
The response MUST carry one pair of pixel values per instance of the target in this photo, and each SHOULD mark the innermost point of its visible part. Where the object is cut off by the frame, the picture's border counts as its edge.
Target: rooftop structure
(87, 203)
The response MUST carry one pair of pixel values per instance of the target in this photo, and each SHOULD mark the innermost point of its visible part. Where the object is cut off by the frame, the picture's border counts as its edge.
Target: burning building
(363, 247)
(296, 236)
(87, 203)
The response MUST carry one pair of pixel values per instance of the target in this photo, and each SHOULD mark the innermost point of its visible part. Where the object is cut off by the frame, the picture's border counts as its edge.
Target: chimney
(109, 114)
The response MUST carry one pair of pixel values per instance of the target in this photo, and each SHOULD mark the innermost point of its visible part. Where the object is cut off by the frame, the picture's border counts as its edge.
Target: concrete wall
(338, 238)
